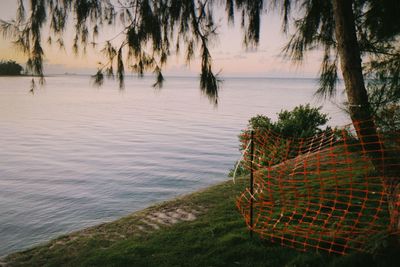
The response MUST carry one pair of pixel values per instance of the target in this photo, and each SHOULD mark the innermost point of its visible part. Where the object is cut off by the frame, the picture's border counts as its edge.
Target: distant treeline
(10, 67)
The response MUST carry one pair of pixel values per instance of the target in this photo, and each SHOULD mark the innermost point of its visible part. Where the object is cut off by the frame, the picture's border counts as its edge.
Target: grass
(218, 237)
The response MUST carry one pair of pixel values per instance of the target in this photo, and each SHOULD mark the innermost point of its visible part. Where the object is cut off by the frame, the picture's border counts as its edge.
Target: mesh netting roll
(330, 192)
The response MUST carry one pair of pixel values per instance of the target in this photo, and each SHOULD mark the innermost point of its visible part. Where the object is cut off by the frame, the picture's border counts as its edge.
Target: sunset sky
(228, 53)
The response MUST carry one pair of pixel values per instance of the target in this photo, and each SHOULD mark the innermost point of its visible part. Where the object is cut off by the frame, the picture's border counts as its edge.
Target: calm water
(73, 156)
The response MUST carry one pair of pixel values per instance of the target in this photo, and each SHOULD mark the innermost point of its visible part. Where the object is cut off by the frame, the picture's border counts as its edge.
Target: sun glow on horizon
(229, 55)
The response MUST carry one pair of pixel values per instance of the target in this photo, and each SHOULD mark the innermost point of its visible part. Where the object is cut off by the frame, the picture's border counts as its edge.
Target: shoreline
(157, 216)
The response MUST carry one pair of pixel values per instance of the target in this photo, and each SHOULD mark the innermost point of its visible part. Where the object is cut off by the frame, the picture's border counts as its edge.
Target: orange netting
(331, 192)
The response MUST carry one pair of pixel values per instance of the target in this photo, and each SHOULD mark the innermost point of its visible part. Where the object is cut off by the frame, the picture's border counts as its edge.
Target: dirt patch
(137, 224)
(169, 216)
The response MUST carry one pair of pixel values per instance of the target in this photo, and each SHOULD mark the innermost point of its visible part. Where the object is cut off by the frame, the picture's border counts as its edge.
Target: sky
(229, 55)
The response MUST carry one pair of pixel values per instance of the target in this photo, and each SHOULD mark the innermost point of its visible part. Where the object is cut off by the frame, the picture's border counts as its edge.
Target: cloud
(239, 56)
(62, 68)
(255, 50)
(223, 58)
(221, 52)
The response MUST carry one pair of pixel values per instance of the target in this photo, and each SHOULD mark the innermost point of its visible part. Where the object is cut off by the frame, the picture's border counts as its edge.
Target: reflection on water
(74, 156)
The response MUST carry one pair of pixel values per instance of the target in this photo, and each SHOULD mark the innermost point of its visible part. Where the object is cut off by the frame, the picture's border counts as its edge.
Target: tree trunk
(360, 112)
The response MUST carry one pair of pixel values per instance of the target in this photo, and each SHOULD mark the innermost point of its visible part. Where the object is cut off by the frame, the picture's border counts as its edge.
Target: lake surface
(73, 156)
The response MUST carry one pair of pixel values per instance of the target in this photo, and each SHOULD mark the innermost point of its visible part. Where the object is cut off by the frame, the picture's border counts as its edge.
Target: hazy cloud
(239, 56)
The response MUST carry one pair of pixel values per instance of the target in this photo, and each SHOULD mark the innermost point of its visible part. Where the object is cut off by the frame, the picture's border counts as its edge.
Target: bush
(301, 122)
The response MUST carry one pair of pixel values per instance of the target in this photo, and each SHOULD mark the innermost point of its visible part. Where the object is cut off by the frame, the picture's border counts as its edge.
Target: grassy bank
(200, 229)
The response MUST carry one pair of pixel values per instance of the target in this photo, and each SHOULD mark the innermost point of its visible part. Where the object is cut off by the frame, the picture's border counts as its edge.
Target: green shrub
(301, 122)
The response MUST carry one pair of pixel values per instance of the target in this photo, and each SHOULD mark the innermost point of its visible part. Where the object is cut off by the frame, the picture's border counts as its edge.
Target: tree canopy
(10, 67)
(150, 31)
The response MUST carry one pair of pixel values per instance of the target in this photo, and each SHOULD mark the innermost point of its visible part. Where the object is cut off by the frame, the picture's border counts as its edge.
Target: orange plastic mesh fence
(331, 192)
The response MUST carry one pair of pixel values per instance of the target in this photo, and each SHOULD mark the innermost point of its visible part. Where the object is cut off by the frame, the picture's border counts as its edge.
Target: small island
(10, 68)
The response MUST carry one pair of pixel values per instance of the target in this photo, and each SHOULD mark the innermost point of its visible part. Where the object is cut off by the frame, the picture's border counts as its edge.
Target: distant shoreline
(18, 75)
(166, 76)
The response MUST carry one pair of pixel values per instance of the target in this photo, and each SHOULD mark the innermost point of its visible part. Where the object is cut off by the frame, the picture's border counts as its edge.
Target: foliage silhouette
(10, 68)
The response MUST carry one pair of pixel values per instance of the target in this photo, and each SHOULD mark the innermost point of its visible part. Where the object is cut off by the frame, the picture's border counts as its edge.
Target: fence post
(251, 181)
